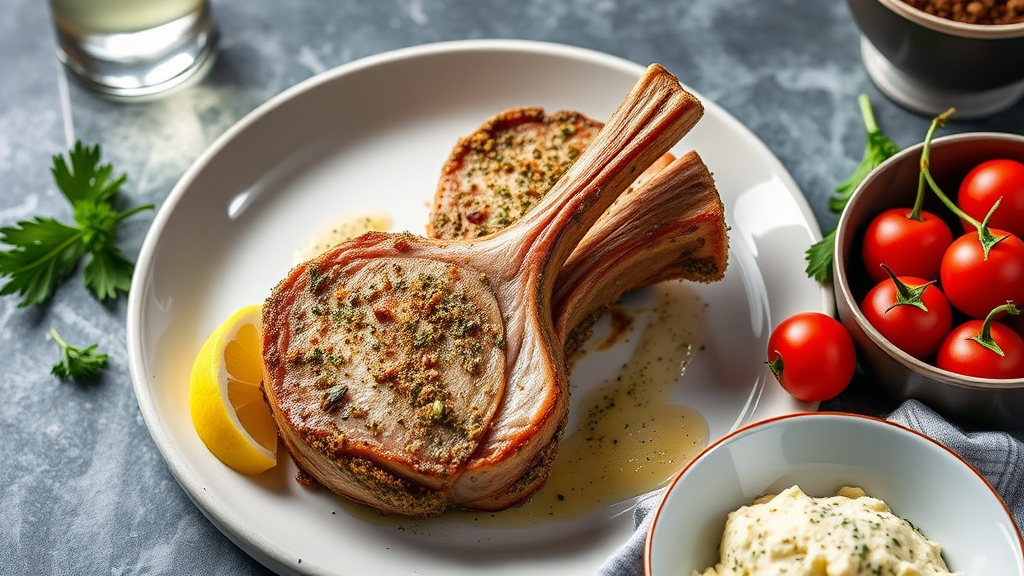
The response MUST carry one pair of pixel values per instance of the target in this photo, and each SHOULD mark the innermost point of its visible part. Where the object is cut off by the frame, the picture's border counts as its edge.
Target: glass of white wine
(132, 49)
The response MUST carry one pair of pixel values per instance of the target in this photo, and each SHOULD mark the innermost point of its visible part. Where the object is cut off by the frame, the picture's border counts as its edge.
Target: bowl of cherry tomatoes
(928, 272)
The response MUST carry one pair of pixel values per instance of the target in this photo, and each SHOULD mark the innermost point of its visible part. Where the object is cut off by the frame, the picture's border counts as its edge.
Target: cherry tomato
(914, 330)
(908, 247)
(975, 285)
(812, 356)
(962, 354)
(988, 182)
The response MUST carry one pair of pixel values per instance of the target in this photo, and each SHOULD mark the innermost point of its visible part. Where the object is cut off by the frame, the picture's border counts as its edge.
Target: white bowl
(920, 479)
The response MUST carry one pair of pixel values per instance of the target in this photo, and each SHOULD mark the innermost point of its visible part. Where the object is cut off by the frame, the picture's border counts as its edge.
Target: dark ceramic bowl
(929, 64)
(966, 400)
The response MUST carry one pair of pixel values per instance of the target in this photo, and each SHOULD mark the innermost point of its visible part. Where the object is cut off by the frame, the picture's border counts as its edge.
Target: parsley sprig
(77, 363)
(877, 150)
(45, 252)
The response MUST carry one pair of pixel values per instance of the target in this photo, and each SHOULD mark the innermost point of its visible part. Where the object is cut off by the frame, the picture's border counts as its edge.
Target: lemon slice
(227, 405)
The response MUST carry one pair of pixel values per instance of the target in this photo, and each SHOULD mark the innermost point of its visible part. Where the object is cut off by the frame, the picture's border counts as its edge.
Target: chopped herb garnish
(333, 397)
(313, 355)
(437, 411)
(423, 339)
(314, 278)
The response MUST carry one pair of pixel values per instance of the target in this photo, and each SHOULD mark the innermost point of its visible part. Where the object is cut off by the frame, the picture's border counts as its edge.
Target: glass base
(140, 65)
(930, 100)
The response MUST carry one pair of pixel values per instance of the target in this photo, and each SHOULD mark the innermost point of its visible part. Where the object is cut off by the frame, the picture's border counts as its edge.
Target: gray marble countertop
(83, 489)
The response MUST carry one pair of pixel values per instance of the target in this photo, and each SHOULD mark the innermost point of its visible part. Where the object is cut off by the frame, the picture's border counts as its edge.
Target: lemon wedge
(227, 405)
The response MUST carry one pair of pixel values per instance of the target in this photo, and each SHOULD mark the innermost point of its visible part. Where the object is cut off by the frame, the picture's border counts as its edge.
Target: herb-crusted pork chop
(501, 396)
(496, 174)
(389, 353)
(669, 225)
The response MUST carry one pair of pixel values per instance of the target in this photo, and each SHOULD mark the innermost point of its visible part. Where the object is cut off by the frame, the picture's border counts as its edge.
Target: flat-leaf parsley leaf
(45, 252)
(877, 149)
(77, 363)
(85, 179)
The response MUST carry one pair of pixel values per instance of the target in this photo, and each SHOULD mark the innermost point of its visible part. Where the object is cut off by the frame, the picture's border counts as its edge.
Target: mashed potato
(849, 534)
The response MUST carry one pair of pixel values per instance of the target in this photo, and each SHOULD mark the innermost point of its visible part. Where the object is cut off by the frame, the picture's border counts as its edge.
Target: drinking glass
(130, 49)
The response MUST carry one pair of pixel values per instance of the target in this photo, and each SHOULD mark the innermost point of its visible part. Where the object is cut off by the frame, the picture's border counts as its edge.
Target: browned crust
(500, 171)
(524, 487)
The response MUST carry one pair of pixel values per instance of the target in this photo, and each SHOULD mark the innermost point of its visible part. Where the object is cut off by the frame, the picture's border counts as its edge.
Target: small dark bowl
(928, 63)
(972, 402)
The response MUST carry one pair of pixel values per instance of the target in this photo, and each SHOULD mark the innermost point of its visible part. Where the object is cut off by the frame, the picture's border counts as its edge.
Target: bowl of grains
(930, 55)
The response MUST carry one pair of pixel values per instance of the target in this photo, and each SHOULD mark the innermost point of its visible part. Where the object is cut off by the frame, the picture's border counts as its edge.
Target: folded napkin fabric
(998, 456)
(628, 560)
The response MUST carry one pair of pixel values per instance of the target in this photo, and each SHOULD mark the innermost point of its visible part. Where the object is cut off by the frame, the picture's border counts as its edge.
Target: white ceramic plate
(373, 135)
(821, 453)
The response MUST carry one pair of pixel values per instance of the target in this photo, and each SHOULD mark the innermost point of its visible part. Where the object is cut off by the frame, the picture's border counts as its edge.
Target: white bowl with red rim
(920, 479)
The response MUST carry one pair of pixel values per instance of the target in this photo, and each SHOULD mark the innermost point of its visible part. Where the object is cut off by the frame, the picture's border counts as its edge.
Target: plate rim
(264, 550)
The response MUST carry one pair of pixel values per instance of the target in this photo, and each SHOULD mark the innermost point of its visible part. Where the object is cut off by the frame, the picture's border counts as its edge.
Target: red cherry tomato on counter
(908, 247)
(915, 330)
(962, 354)
(975, 285)
(812, 356)
(988, 182)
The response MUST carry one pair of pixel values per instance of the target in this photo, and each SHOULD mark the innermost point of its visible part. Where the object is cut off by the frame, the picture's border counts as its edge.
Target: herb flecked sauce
(340, 229)
(629, 437)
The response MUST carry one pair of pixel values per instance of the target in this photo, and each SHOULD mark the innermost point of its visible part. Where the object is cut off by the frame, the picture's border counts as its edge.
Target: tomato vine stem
(987, 239)
(985, 337)
(905, 294)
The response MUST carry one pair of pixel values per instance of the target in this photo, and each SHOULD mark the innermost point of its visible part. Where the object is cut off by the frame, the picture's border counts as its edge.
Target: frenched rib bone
(414, 374)
(673, 227)
(670, 227)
